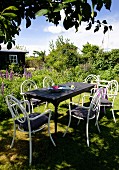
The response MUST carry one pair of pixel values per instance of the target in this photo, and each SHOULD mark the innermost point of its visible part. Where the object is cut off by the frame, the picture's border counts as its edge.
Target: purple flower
(1, 74)
(11, 75)
(30, 75)
(25, 71)
(7, 74)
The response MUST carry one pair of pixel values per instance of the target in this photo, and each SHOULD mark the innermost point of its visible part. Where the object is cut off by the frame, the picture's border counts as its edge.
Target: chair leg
(78, 122)
(87, 135)
(51, 137)
(113, 115)
(49, 130)
(30, 149)
(96, 123)
(104, 109)
(67, 126)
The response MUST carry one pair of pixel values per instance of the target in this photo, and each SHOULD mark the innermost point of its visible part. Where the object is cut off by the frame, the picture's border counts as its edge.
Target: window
(13, 59)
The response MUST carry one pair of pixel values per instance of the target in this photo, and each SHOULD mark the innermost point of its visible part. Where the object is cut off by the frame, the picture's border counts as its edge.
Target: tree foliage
(8, 26)
(63, 54)
(76, 12)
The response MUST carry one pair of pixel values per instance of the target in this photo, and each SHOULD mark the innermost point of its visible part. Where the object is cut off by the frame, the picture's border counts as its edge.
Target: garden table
(55, 97)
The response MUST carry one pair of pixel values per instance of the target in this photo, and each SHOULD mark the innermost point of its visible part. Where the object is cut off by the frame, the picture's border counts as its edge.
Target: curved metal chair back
(109, 95)
(112, 88)
(16, 108)
(47, 82)
(92, 78)
(26, 121)
(27, 85)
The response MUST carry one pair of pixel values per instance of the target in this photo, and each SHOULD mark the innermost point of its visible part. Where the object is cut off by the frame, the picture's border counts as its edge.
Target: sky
(41, 33)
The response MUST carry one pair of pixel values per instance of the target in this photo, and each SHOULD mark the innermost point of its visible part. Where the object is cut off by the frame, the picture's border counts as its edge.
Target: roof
(13, 50)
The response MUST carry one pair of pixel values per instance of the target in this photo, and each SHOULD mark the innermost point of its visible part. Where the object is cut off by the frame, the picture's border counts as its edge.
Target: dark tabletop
(55, 96)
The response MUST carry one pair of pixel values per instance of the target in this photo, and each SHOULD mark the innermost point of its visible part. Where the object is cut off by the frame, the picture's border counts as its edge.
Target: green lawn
(71, 151)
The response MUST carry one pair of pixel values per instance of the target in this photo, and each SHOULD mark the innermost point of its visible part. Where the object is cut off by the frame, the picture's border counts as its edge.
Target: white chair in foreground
(28, 85)
(109, 95)
(26, 121)
(86, 113)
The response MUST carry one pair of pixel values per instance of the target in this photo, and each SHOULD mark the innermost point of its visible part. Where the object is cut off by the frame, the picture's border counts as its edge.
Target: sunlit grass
(71, 151)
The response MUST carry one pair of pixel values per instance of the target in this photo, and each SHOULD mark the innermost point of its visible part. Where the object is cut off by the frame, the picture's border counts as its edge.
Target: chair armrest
(44, 113)
(76, 104)
(26, 102)
(112, 95)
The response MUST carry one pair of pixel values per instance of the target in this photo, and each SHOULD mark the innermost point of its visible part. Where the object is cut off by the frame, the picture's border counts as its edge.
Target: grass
(71, 151)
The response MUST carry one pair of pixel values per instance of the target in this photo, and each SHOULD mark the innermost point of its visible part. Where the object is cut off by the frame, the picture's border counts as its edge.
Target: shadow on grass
(71, 151)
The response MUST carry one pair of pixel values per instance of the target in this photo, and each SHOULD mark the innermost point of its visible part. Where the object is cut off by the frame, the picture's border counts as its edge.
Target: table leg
(56, 117)
(70, 99)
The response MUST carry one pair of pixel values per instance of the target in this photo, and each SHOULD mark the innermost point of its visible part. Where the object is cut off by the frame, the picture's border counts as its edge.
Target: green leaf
(11, 15)
(2, 18)
(104, 22)
(86, 11)
(10, 8)
(59, 8)
(110, 27)
(28, 22)
(80, 18)
(99, 5)
(98, 21)
(68, 1)
(108, 4)
(89, 26)
(105, 29)
(9, 45)
(96, 29)
(42, 12)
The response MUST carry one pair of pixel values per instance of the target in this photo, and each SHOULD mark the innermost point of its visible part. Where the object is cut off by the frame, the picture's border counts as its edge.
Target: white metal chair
(93, 79)
(28, 85)
(26, 121)
(109, 95)
(47, 82)
(86, 113)
(103, 83)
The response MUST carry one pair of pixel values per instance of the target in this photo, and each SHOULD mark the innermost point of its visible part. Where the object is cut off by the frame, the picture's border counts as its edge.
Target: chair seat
(105, 102)
(81, 112)
(35, 124)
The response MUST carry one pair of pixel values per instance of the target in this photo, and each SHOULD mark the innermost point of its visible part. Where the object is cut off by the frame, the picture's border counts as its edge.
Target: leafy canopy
(76, 12)
(63, 54)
